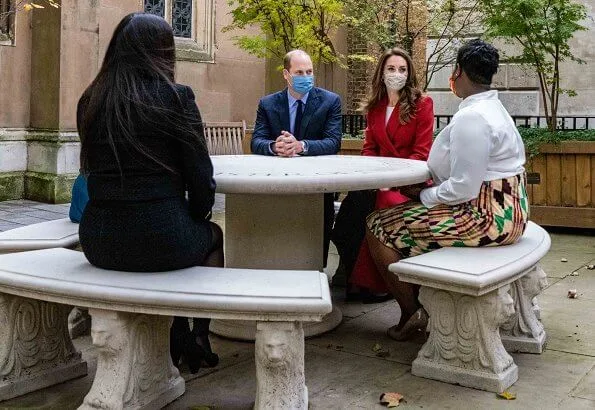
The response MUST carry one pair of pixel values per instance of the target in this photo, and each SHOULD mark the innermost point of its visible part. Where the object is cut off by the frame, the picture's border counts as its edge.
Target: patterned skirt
(498, 216)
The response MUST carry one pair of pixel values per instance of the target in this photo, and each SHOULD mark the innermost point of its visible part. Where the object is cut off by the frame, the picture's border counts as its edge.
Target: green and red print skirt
(498, 216)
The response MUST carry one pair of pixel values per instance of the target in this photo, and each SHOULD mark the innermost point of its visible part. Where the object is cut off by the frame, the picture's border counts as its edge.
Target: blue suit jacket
(321, 122)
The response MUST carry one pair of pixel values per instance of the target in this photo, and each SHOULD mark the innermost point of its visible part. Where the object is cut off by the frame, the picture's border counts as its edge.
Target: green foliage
(287, 25)
(375, 21)
(543, 29)
(534, 137)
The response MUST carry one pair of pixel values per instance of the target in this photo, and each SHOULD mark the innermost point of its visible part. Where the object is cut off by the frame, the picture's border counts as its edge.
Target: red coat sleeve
(424, 130)
(370, 147)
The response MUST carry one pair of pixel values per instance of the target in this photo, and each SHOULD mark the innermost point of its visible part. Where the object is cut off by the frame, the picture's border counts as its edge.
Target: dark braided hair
(479, 60)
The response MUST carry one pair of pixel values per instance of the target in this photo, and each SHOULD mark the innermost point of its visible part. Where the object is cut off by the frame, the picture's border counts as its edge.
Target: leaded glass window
(193, 24)
(181, 20)
(156, 7)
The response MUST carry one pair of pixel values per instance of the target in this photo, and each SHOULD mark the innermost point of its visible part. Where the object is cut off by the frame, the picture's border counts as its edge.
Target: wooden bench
(480, 303)
(131, 316)
(225, 138)
(60, 233)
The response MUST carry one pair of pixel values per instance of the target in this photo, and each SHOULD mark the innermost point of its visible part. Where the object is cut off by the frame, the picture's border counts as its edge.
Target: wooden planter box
(351, 146)
(561, 182)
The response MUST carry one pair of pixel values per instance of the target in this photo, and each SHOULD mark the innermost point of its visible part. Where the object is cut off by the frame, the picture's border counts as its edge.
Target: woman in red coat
(400, 124)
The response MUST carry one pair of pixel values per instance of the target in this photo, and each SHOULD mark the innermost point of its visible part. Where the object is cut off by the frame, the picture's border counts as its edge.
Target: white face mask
(395, 81)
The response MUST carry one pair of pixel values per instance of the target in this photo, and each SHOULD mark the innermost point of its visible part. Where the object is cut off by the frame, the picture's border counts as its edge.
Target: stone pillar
(523, 332)
(35, 348)
(134, 367)
(64, 60)
(464, 345)
(280, 379)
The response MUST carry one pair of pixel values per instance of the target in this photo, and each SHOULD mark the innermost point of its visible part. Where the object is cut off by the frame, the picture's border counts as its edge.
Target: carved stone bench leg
(134, 367)
(279, 352)
(536, 308)
(35, 348)
(464, 345)
(524, 332)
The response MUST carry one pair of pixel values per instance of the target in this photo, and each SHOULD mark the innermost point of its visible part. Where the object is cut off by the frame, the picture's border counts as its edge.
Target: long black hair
(139, 60)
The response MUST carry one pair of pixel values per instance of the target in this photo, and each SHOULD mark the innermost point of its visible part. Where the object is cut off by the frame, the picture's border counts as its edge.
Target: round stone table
(274, 212)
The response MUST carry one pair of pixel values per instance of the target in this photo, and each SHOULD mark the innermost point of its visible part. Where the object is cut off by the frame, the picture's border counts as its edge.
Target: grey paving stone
(586, 388)
(5, 226)
(21, 219)
(59, 208)
(568, 322)
(47, 215)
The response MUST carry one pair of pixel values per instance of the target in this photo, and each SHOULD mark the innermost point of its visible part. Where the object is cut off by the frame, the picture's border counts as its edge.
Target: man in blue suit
(300, 120)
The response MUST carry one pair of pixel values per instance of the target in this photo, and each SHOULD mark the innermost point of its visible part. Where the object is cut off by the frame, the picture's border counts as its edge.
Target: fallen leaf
(563, 260)
(377, 347)
(590, 267)
(506, 395)
(575, 273)
(391, 399)
(572, 294)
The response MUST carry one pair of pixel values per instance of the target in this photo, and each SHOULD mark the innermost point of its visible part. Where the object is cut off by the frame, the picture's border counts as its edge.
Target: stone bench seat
(60, 233)
(131, 316)
(480, 303)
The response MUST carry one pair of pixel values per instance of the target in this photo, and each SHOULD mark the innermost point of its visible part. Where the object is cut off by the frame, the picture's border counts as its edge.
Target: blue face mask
(302, 84)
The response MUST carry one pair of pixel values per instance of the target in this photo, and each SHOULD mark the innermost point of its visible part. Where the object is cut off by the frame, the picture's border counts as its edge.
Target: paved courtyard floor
(342, 369)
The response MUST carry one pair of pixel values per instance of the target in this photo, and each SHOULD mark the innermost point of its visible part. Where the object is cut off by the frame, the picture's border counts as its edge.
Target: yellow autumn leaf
(391, 399)
(37, 6)
(28, 7)
(507, 395)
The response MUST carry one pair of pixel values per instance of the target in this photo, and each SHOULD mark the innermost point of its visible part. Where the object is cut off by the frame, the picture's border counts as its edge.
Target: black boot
(200, 332)
(178, 333)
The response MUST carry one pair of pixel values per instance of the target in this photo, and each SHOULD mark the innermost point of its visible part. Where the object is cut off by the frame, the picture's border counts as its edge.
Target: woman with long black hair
(142, 149)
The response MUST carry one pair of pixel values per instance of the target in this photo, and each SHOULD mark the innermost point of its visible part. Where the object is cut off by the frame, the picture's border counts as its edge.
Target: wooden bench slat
(225, 138)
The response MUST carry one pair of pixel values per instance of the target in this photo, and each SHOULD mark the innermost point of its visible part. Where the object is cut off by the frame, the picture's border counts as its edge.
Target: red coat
(412, 140)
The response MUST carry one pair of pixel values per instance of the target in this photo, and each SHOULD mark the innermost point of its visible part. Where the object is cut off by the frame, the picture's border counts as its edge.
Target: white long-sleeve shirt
(481, 143)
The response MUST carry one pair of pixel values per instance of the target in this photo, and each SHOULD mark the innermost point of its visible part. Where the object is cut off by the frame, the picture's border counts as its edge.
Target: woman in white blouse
(479, 194)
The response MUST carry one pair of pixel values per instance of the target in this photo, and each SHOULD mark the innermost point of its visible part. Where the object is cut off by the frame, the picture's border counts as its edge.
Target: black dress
(139, 219)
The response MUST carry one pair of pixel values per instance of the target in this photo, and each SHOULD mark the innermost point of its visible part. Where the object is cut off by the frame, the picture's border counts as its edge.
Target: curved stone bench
(131, 316)
(60, 233)
(466, 294)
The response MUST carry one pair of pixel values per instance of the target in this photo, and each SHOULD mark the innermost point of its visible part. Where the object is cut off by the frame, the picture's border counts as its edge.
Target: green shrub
(534, 137)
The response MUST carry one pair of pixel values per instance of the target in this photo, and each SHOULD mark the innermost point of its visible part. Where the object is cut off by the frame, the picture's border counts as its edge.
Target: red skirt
(365, 274)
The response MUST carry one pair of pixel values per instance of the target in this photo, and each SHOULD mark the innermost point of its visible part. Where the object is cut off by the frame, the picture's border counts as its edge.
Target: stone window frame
(201, 46)
(8, 38)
